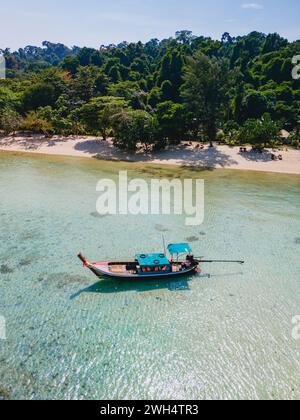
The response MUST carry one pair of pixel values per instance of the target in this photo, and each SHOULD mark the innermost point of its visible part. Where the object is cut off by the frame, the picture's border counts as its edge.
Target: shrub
(33, 122)
(260, 133)
(10, 121)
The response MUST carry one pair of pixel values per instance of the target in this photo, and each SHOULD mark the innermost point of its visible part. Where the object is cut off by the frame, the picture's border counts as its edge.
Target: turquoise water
(228, 336)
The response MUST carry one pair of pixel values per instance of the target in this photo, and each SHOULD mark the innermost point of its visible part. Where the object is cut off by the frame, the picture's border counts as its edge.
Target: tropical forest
(236, 90)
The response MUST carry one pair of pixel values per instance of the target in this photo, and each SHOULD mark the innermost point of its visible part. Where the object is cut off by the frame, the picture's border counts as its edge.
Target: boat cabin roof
(152, 260)
(179, 249)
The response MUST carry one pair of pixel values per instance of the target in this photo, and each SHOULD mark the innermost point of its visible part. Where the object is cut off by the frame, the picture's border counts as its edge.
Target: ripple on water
(61, 280)
(192, 239)
(5, 269)
(206, 338)
(97, 215)
(29, 236)
(4, 394)
(161, 228)
(25, 262)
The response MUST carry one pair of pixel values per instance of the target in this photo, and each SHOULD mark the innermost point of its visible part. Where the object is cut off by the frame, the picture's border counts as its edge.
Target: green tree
(71, 65)
(147, 75)
(185, 37)
(59, 123)
(85, 56)
(254, 105)
(10, 121)
(9, 98)
(170, 73)
(154, 97)
(205, 91)
(97, 59)
(294, 138)
(39, 95)
(34, 123)
(172, 121)
(133, 128)
(97, 115)
(274, 42)
(89, 82)
(114, 74)
(131, 92)
(259, 133)
(166, 91)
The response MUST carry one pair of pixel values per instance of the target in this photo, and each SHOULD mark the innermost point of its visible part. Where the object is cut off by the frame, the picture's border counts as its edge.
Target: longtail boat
(151, 266)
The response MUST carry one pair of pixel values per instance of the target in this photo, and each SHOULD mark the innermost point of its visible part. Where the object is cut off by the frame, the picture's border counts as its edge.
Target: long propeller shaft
(221, 261)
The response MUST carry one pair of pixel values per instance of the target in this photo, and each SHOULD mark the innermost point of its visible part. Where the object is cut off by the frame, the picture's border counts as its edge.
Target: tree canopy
(183, 87)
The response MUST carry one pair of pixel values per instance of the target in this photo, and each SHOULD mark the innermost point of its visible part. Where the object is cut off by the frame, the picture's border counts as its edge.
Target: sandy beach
(183, 155)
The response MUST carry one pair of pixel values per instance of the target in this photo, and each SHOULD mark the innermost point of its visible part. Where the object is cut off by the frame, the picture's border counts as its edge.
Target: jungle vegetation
(234, 90)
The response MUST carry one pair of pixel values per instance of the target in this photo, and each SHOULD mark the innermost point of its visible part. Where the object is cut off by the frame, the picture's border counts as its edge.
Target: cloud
(253, 6)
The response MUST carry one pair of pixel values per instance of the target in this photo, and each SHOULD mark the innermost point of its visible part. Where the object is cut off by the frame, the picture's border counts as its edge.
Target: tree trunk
(104, 137)
(211, 132)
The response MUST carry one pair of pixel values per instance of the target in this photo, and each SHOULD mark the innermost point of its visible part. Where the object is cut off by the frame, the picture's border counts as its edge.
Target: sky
(95, 22)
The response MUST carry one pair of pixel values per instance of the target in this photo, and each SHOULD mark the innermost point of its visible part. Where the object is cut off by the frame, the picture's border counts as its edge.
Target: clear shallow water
(229, 336)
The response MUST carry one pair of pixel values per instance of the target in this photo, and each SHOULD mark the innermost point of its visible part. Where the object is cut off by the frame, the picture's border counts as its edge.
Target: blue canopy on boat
(152, 260)
(179, 249)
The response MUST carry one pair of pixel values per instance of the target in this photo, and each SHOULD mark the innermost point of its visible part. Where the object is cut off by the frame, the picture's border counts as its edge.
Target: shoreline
(220, 157)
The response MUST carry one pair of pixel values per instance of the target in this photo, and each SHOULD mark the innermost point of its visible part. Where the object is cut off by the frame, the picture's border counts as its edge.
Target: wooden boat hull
(127, 270)
(101, 270)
